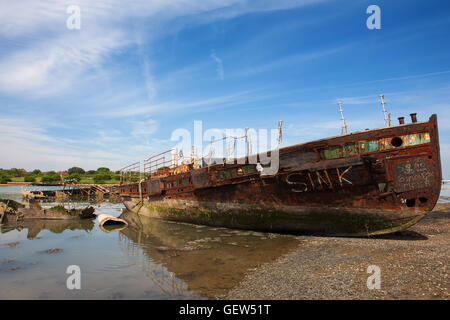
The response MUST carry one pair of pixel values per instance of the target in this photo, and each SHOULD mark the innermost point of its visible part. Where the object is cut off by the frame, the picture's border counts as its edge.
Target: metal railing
(131, 173)
(161, 161)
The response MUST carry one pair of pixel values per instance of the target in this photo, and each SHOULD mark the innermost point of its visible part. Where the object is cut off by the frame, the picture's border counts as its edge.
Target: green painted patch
(350, 149)
(374, 145)
(333, 152)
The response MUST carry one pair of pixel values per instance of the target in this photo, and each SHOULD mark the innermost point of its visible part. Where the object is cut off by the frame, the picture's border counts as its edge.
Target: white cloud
(50, 58)
(28, 144)
(52, 66)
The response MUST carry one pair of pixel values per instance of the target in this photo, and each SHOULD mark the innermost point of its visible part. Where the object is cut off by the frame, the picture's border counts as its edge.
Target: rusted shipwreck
(12, 212)
(364, 183)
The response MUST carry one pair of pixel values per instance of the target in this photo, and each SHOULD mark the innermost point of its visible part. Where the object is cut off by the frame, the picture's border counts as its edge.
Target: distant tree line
(73, 175)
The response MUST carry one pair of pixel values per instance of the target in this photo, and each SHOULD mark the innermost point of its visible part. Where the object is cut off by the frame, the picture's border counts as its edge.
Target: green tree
(103, 169)
(75, 170)
(16, 172)
(91, 172)
(4, 179)
(75, 177)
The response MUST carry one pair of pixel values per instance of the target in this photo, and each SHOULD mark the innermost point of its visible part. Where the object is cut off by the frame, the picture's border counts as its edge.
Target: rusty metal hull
(371, 182)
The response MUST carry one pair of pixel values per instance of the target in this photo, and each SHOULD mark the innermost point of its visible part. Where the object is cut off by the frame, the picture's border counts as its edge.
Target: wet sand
(413, 263)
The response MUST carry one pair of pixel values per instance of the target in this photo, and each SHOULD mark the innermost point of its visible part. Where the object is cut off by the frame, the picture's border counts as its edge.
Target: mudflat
(413, 264)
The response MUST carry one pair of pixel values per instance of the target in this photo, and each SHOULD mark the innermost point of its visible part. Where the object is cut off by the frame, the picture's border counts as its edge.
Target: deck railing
(159, 162)
(131, 173)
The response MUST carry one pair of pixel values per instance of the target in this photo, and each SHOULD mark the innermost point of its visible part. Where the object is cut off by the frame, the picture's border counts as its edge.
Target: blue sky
(112, 92)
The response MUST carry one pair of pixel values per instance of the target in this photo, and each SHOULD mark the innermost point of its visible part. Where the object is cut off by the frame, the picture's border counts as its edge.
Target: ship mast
(386, 119)
(344, 125)
(280, 132)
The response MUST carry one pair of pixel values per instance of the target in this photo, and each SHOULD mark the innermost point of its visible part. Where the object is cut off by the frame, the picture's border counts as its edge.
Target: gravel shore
(413, 264)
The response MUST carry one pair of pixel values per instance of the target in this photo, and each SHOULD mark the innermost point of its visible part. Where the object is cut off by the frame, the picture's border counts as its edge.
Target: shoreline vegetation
(74, 175)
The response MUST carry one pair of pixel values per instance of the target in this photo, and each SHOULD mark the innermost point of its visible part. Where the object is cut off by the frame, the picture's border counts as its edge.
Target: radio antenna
(344, 125)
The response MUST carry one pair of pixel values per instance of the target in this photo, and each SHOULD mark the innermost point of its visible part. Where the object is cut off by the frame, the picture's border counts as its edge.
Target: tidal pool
(150, 259)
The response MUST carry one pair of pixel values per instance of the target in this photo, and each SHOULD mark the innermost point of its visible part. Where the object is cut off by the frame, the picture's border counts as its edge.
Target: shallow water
(150, 259)
(445, 193)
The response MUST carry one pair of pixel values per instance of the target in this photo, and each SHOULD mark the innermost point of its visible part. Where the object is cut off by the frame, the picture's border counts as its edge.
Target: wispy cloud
(180, 105)
(287, 61)
(56, 57)
(219, 63)
(52, 67)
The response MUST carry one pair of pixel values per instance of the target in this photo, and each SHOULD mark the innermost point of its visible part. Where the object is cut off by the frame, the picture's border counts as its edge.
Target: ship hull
(367, 183)
(290, 219)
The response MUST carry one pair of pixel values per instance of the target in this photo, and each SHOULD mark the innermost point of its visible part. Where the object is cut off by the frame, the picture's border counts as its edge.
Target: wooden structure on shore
(70, 191)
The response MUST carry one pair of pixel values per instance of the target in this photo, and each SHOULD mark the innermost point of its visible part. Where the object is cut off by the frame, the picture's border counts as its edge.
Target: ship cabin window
(240, 172)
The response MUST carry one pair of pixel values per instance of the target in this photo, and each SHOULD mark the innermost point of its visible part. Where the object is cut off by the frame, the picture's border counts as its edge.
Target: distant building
(63, 174)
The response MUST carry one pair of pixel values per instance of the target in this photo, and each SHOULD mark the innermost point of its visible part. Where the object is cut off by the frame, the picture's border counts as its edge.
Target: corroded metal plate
(413, 174)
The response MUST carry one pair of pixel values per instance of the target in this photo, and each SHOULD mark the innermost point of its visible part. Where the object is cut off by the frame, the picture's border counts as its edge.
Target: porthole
(397, 142)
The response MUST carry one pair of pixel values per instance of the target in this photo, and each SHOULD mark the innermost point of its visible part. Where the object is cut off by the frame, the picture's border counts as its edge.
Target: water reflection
(34, 227)
(209, 260)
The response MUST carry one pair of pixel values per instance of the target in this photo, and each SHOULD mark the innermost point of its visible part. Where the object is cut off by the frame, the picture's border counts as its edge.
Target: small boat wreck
(109, 223)
(358, 184)
(70, 191)
(13, 211)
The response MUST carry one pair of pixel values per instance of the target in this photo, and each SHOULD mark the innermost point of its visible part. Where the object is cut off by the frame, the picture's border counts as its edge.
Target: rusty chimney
(413, 117)
(401, 120)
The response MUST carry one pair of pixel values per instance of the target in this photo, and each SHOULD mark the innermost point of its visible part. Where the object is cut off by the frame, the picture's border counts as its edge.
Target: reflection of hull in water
(364, 183)
(35, 226)
(210, 261)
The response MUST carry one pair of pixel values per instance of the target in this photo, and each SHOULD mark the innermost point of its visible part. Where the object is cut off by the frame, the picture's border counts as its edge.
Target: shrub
(101, 178)
(30, 178)
(51, 177)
